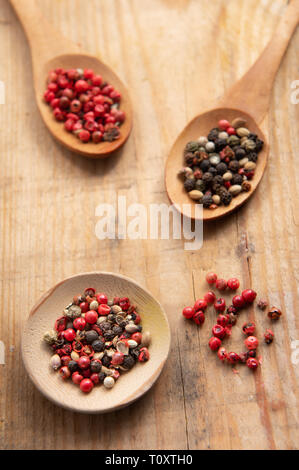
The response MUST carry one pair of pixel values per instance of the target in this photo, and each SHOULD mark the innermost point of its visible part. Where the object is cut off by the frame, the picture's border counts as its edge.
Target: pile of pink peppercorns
(227, 318)
(88, 106)
(96, 339)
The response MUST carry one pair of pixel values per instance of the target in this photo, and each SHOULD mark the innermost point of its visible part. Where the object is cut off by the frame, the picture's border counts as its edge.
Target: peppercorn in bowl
(217, 162)
(95, 349)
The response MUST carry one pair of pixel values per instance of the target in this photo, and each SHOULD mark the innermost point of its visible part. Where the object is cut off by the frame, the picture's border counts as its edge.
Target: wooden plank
(176, 57)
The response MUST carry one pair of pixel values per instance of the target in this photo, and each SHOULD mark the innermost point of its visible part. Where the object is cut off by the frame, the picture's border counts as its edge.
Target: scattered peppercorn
(96, 339)
(269, 336)
(89, 107)
(232, 149)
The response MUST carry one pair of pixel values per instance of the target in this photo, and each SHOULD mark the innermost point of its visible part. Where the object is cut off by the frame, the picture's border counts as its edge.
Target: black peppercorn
(106, 325)
(95, 366)
(207, 201)
(134, 353)
(98, 345)
(225, 196)
(72, 366)
(192, 146)
(218, 180)
(128, 362)
(117, 330)
(189, 184)
(91, 336)
(213, 171)
(189, 158)
(221, 168)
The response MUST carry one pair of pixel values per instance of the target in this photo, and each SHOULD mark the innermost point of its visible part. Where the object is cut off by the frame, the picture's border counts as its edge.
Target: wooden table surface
(175, 56)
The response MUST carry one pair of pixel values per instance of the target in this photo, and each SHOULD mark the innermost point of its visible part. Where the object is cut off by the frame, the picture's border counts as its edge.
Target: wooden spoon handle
(44, 40)
(253, 92)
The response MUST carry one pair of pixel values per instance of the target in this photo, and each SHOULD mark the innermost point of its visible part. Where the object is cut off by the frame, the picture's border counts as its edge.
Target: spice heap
(220, 166)
(227, 318)
(96, 339)
(88, 106)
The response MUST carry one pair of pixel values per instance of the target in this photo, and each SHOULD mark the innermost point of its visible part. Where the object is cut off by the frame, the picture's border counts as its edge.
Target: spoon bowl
(132, 384)
(69, 140)
(201, 125)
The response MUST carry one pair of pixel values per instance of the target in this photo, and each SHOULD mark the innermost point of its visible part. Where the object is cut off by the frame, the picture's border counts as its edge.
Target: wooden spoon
(131, 385)
(51, 50)
(249, 98)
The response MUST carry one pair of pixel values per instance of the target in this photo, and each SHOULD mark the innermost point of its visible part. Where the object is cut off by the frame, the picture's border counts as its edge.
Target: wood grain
(176, 57)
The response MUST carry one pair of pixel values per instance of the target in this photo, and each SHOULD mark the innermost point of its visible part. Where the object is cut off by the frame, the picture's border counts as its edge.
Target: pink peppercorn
(211, 278)
(84, 362)
(64, 372)
(233, 283)
(223, 320)
(238, 301)
(233, 358)
(248, 328)
(91, 317)
(69, 334)
(84, 136)
(223, 124)
(210, 297)
(214, 343)
(77, 378)
(102, 298)
(222, 354)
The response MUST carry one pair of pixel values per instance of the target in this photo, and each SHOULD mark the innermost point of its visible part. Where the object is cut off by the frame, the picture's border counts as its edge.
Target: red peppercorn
(200, 304)
(211, 278)
(69, 334)
(223, 320)
(77, 378)
(231, 131)
(248, 328)
(223, 124)
(64, 372)
(215, 343)
(79, 323)
(233, 283)
(86, 373)
(143, 355)
(210, 297)
(233, 358)
(199, 317)
(65, 360)
(86, 385)
(84, 362)
(221, 284)
(124, 303)
(95, 378)
(269, 336)
(97, 80)
(60, 324)
(251, 342)
(249, 296)
(188, 312)
(222, 354)
(220, 305)
(252, 363)
(218, 331)
(117, 359)
(238, 301)
(91, 316)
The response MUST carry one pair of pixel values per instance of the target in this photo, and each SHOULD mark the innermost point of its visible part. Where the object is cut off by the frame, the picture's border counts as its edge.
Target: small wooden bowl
(131, 385)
